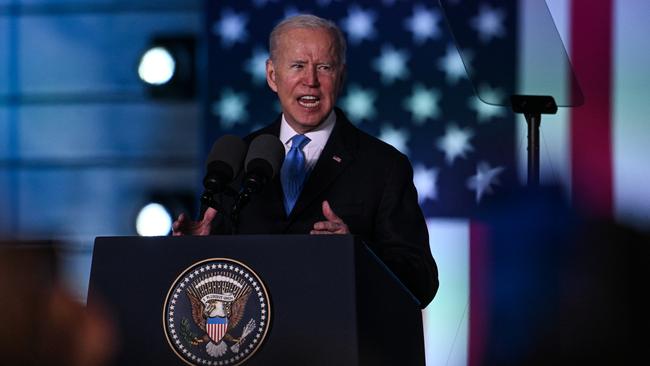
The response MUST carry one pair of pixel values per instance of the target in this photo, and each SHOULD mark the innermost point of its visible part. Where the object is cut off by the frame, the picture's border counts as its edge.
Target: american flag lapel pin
(336, 158)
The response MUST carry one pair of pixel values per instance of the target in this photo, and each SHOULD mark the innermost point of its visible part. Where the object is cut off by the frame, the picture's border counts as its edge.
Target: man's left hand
(332, 225)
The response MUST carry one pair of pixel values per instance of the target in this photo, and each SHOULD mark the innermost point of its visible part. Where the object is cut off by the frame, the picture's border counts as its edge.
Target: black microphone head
(224, 161)
(265, 156)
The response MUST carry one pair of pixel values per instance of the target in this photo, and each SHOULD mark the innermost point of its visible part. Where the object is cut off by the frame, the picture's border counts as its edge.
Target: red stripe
(591, 124)
(216, 331)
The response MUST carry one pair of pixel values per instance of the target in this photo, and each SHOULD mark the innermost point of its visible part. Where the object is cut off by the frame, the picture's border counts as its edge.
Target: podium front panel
(310, 281)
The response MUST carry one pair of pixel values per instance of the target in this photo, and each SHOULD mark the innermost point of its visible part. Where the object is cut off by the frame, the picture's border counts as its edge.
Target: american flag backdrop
(408, 86)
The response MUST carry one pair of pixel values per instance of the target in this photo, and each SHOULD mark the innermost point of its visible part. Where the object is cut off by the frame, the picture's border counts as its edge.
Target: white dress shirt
(318, 138)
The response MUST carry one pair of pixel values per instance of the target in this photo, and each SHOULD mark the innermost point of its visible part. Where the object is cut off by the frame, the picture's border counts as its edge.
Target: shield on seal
(216, 328)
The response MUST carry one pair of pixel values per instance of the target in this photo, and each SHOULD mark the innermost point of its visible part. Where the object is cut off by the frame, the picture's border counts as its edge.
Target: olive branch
(187, 334)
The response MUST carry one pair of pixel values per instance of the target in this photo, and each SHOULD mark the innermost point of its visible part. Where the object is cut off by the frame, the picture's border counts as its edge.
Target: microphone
(222, 166)
(263, 162)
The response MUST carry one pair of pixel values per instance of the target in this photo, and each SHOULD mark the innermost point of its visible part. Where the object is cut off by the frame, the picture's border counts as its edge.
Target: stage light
(157, 66)
(153, 220)
(160, 209)
(167, 67)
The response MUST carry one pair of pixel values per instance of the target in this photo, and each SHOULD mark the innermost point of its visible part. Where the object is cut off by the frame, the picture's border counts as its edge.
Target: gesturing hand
(185, 226)
(333, 225)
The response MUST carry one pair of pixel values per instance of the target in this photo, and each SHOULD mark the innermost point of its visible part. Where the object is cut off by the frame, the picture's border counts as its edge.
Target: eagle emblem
(209, 319)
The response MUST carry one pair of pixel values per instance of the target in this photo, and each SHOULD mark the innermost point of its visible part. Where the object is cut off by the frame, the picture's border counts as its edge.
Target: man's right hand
(185, 226)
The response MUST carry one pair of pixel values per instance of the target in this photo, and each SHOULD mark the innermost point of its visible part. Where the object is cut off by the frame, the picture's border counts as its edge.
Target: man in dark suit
(335, 179)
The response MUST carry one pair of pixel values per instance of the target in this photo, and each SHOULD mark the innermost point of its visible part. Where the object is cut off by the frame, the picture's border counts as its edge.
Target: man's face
(306, 75)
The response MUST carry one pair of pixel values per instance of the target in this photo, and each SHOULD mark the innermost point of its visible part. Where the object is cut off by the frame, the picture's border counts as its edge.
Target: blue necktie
(294, 171)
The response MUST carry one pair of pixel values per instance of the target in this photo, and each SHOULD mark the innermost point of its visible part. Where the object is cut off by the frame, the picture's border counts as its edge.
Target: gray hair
(310, 22)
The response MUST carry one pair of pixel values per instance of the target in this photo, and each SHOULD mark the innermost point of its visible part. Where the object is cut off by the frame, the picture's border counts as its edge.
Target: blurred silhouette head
(556, 287)
(41, 323)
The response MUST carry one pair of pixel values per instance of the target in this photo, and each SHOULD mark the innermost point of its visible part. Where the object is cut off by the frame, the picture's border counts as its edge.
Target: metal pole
(533, 120)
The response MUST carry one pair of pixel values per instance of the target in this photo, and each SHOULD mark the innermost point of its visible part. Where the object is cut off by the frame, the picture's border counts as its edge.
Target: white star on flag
(359, 103)
(452, 64)
(422, 103)
(489, 23)
(398, 138)
(230, 108)
(231, 28)
(425, 182)
(359, 24)
(391, 64)
(256, 65)
(455, 143)
(485, 177)
(484, 111)
(423, 24)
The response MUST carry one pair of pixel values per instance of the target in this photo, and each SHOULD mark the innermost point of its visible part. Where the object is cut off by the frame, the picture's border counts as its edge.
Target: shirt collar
(318, 136)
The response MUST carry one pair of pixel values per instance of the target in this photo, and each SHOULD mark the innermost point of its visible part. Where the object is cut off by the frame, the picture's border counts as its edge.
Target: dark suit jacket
(369, 184)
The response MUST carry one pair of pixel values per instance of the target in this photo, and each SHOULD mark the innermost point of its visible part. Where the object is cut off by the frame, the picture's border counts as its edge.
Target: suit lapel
(334, 159)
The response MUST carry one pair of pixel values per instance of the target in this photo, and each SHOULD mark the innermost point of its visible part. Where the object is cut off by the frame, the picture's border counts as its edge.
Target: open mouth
(309, 101)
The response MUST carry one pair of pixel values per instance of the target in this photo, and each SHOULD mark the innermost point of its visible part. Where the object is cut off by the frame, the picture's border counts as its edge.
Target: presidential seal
(217, 312)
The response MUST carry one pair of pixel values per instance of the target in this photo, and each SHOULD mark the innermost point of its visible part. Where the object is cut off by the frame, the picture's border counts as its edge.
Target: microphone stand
(253, 183)
(208, 200)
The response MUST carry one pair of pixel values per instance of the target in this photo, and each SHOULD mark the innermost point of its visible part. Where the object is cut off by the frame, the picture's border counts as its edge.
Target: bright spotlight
(153, 220)
(157, 66)
(167, 67)
(158, 210)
